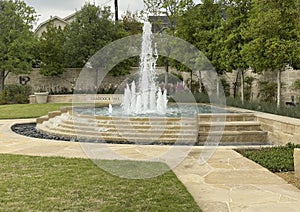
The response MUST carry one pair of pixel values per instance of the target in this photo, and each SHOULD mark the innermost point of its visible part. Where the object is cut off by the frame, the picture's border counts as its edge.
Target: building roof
(65, 21)
(159, 23)
(71, 17)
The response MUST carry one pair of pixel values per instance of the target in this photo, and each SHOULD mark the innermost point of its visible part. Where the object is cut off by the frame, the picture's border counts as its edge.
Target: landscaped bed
(277, 159)
(45, 184)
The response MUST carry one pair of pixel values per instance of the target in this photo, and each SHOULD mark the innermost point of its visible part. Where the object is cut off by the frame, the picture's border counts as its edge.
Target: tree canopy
(273, 34)
(200, 27)
(51, 51)
(91, 30)
(16, 38)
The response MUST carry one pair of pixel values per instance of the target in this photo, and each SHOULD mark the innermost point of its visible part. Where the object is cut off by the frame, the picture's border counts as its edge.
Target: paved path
(225, 182)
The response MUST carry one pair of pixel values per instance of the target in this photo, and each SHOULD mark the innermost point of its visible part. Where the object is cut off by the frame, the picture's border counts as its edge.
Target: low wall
(82, 98)
(297, 162)
(281, 130)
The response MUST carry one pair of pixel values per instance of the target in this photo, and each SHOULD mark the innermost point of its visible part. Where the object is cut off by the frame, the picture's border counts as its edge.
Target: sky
(63, 8)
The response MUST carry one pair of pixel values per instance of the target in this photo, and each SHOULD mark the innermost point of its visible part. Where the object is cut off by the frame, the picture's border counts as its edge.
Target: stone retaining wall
(288, 77)
(82, 98)
(68, 79)
(281, 130)
(297, 162)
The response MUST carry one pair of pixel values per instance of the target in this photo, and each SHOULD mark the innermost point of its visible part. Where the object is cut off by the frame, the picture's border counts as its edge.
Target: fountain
(149, 98)
(143, 116)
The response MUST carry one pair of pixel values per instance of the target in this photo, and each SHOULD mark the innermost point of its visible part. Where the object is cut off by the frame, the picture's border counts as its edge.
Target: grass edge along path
(23, 111)
(31, 183)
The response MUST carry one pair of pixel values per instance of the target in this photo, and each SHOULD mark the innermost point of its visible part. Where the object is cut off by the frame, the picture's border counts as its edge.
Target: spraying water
(147, 98)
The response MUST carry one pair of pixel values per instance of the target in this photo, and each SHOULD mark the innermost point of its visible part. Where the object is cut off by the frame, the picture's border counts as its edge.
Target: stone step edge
(85, 132)
(212, 133)
(108, 139)
(114, 127)
(169, 129)
(228, 123)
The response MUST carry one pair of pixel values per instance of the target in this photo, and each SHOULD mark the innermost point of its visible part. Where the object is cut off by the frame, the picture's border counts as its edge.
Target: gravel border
(29, 130)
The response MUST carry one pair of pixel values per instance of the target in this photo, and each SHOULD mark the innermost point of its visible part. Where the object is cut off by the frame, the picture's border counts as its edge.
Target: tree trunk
(218, 87)
(2, 79)
(235, 84)
(167, 74)
(242, 86)
(199, 80)
(191, 87)
(278, 88)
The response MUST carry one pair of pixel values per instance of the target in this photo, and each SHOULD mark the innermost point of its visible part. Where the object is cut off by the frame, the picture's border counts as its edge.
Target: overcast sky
(63, 8)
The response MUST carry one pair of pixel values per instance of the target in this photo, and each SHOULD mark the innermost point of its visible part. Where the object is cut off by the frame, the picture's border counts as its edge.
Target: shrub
(226, 87)
(296, 85)
(266, 107)
(267, 91)
(184, 96)
(248, 87)
(15, 94)
(276, 159)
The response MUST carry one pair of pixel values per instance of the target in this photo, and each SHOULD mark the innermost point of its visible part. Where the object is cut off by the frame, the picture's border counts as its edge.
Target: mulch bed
(290, 178)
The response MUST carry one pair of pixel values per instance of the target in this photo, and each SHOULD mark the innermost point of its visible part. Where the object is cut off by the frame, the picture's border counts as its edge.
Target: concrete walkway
(225, 182)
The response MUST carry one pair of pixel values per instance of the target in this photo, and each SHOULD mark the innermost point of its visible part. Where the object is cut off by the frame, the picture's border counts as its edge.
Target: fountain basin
(200, 129)
(173, 110)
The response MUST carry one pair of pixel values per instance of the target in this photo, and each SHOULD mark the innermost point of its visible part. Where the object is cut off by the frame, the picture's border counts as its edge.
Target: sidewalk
(226, 182)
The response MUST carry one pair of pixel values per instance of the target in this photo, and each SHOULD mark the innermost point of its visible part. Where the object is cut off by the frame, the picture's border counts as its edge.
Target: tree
(16, 38)
(172, 9)
(236, 16)
(51, 51)
(131, 23)
(200, 26)
(169, 8)
(273, 34)
(91, 30)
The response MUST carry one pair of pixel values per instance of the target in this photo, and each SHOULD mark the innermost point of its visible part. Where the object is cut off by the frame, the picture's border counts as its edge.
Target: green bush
(266, 107)
(185, 96)
(276, 159)
(267, 91)
(15, 94)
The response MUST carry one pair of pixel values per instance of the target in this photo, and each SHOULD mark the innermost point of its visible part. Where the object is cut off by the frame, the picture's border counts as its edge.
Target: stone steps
(235, 137)
(230, 126)
(133, 138)
(204, 129)
(104, 130)
(229, 117)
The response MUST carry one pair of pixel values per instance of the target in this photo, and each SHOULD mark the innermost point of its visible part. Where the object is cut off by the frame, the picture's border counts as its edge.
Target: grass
(19, 111)
(46, 184)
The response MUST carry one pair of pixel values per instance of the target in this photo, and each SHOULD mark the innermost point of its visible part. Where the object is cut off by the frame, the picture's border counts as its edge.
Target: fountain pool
(173, 110)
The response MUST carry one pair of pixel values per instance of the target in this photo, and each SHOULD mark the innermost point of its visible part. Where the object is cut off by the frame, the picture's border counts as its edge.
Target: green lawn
(18, 111)
(60, 184)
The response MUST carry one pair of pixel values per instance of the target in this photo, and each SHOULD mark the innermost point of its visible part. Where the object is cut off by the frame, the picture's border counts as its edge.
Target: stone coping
(82, 98)
(278, 118)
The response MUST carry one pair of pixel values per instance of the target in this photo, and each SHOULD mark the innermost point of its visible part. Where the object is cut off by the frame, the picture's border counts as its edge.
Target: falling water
(148, 98)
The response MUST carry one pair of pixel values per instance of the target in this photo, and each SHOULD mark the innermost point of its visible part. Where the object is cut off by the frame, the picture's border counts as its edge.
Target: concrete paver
(225, 182)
